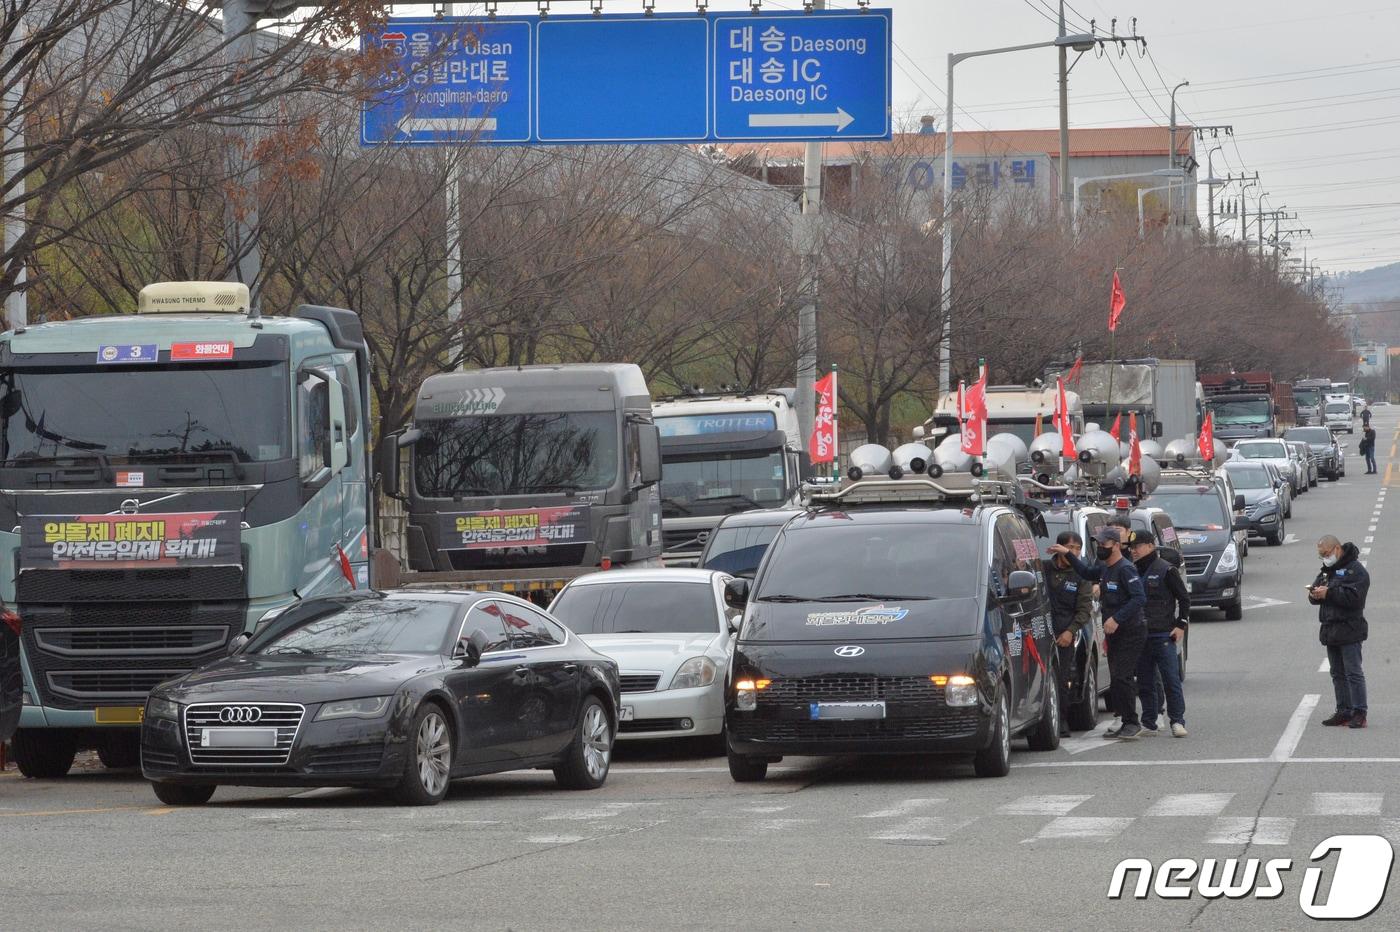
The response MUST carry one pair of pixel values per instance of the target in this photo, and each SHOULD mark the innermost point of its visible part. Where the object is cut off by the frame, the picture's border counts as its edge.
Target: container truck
(1248, 404)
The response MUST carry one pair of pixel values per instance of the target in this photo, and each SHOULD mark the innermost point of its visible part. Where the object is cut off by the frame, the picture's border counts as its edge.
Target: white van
(1336, 415)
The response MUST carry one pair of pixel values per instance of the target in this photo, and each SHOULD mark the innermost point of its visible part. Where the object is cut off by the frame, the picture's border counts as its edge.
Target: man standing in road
(1366, 415)
(1368, 448)
(1339, 592)
(1121, 599)
(1168, 611)
(1072, 610)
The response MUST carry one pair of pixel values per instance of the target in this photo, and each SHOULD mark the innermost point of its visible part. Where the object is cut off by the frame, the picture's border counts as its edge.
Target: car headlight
(695, 672)
(370, 707)
(157, 707)
(1269, 518)
(746, 693)
(961, 690)
(1229, 559)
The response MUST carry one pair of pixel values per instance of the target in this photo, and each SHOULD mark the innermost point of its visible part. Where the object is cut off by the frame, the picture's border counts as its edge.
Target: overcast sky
(1312, 90)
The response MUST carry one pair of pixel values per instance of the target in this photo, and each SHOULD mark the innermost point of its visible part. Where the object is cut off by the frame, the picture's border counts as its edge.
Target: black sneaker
(1130, 733)
(1357, 721)
(1338, 718)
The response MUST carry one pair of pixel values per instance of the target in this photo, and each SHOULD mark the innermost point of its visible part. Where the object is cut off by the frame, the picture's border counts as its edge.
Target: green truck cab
(167, 479)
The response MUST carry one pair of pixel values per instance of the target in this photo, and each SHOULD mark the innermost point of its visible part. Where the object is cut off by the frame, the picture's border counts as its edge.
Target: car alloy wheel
(434, 754)
(597, 742)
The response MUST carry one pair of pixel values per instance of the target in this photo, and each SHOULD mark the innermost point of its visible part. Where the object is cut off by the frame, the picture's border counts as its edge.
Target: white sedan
(670, 632)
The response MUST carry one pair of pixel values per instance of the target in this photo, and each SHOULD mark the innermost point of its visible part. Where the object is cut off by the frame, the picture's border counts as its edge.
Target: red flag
(823, 443)
(1062, 424)
(974, 427)
(1116, 303)
(345, 568)
(1206, 442)
(1117, 427)
(1076, 371)
(1134, 447)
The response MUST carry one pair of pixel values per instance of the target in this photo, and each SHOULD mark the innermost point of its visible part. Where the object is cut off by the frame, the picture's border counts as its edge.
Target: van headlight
(961, 691)
(1229, 559)
(746, 693)
(694, 673)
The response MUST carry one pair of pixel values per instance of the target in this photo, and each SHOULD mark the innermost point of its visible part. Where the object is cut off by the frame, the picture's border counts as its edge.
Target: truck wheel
(1084, 714)
(120, 750)
(995, 759)
(183, 794)
(45, 753)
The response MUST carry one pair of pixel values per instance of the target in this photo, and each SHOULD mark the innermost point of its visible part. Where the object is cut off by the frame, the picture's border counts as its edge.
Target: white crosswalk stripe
(924, 829)
(904, 808)
(1346, 804)
(1191, 804)
(1084, 828)
(1043, 805)
(1243, 831)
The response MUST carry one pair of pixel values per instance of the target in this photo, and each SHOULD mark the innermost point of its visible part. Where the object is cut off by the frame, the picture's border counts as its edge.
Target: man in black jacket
(1072, 611)
(1121, 598)
(1339, 592)
(1168, 612)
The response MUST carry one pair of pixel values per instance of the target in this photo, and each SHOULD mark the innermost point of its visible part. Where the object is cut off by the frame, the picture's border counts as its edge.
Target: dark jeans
(1124, 649)
(1348, 679)
(1068, 663)
(1159, 657)
(1370, 460)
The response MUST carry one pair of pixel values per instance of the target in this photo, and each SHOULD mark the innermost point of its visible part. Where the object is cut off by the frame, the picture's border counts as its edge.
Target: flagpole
(835, 427)
(1112, 355)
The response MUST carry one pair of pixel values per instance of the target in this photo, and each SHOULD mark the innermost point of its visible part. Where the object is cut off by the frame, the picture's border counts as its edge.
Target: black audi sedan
(404, 690)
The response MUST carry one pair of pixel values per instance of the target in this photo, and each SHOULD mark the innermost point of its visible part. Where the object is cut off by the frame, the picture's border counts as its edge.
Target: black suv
(1205, 522)
(896, 616)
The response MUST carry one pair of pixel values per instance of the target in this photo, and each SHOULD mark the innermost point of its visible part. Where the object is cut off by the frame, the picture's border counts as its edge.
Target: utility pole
(1211, 183)
(807, 241)
(16, 302)
(240, 48)
(1066, 198)
(1171, 154)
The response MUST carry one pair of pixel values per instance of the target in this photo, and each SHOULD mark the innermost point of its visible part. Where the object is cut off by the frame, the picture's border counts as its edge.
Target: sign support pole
(456, 355)
(809, 283)
(835, 427)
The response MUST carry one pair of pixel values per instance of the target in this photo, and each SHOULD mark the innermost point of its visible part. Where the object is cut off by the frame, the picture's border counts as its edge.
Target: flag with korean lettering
(1134, 446)
(823, 442)
(974, 416)
(1063, 427)
(1206, 442)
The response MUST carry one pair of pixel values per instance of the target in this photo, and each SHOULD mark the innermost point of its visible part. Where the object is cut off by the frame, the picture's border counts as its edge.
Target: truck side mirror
(649, 452)
(1156, 429)
(339, 436)
(387, 465)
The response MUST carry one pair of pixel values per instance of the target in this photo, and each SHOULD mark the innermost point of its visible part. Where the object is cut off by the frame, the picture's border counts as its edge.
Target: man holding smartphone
(1340, 592)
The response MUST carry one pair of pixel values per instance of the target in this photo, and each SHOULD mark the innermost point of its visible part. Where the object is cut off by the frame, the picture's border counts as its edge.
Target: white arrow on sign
(840, 119)
(447, 124)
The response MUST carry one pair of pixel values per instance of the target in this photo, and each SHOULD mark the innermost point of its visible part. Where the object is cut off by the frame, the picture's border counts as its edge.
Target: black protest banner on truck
(204, 538)
(516, 527)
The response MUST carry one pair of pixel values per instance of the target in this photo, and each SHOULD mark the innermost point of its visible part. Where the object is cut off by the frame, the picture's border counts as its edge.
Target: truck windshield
(1307, 397)
(1240, 412)
(146, 413)
(723, 483)
(516, 454)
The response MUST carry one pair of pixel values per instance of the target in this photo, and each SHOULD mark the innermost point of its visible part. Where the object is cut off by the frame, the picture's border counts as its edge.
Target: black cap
(1107, 533)
(1141, 537)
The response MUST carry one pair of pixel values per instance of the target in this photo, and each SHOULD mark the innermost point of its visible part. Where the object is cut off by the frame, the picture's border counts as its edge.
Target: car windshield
(738, 550)
(1318, 436)
(1197, 510)
(142, 414)
(1240, 412)
(638, 608)
(374, 626)
(1250, 479)
(864, 561)
(516, 454)
(720, 484)
(1261, 451)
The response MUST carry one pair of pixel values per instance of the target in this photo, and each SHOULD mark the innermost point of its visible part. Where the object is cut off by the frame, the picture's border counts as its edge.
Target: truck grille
(639, 682)
(284, 716)
(685, 540)
(170, 641)
(1197, 563)
(95, 685)
(195, 583)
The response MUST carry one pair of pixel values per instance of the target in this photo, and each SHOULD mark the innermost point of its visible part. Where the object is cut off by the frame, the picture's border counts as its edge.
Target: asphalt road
(671, 842)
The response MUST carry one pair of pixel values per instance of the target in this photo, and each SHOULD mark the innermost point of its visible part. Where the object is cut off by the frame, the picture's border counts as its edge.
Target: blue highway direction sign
(632, 79)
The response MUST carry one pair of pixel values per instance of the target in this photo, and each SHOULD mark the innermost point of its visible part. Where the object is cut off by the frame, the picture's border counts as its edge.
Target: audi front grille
(202, 717)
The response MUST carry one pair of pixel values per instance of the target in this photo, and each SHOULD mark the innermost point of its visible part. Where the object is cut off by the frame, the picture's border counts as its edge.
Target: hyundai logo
(850, 650)
(240, 714)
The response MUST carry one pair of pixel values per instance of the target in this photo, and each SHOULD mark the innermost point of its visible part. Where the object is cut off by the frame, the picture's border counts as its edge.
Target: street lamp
(1142, 213)
(1079, 42)
(1171, 155)
(1211, 182)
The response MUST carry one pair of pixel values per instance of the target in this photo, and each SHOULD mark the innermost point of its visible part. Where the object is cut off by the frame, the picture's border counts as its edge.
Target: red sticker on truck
(217, 349)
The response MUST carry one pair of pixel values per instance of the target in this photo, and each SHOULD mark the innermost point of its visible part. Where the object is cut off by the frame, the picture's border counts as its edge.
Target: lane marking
(1293, 733)
(62, 812)
(1260, 602)
(1097, 829)
(903, 808)
(1326, 666)
(764, 810)
(587, 815)
(928, 829)
(1369, 540)
(165, 811)
(1088, 741)
(1191, 804)
(1043, 805)
(1347, 804)
(553, 839)
(1365, 551)
(1290, 538)
(1244, 831)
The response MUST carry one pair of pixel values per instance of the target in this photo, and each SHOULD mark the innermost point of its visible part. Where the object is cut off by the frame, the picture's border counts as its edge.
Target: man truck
(723, 454)
(169, 479)
(522, 478)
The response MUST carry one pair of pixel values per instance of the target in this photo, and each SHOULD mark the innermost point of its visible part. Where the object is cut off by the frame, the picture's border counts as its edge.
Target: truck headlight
(961, 691)
(695, 672)
(369, 707)
(1229, 559)
(157, 707)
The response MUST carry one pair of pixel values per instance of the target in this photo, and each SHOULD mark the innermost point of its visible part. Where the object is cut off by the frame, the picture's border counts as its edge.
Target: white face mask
(1330, 560)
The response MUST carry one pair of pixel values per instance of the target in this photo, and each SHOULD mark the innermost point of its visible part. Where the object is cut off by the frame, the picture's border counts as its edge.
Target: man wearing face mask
(1339, 592)
(1167, 613)
(1072, 610)
(1121, 599)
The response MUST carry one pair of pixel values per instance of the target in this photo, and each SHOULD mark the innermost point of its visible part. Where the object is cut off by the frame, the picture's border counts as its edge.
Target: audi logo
(850, 650)
(240, 714)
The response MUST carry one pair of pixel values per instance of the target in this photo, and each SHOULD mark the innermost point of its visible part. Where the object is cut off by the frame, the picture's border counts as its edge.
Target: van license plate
(846, 711)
